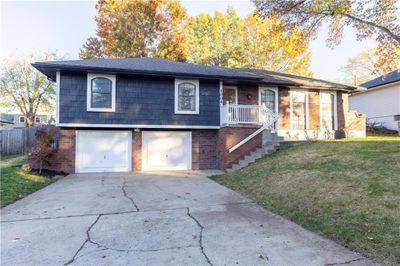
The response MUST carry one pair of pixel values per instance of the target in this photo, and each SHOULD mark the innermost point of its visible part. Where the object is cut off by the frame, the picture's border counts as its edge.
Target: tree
(230, 41)
(361, 68)
(217, 40)
(369, 17)
(138, 28)
(269, 46)
(25, 88)
(43, 146)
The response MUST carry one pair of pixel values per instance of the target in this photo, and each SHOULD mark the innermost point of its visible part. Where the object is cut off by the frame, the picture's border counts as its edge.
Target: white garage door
(166, 150)
(103, 151)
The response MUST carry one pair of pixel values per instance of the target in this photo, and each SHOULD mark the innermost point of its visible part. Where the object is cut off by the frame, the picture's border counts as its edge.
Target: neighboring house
(145, 114)
(18, 120)
(381, 101)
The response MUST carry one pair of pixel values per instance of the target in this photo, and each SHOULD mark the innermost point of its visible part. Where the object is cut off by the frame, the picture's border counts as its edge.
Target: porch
(249, 105)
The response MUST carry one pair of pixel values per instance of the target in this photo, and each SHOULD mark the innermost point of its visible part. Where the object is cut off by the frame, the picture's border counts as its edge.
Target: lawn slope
(15, 183)
(347, 190)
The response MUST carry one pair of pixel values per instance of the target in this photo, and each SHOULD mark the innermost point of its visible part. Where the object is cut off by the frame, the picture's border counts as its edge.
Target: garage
(166, 150)
(103, 151)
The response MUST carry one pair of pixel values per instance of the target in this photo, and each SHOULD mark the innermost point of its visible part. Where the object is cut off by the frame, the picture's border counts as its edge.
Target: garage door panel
(163, 150)
(103, 151)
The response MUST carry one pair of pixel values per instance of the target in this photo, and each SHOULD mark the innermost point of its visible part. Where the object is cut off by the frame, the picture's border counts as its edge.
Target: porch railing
(232, 114)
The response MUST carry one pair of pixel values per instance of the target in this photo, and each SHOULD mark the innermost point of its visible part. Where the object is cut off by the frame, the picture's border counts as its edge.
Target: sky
(63, 26)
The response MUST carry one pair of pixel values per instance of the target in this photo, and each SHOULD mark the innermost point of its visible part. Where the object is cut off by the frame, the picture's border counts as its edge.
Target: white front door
(166, 150)
(103, 151)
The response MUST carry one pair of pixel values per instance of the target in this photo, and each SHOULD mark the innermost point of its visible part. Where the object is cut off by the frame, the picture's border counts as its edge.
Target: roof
(383, 80)
(164, 67)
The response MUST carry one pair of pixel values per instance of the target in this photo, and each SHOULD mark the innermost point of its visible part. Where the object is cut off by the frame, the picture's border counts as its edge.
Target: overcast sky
(63, 26)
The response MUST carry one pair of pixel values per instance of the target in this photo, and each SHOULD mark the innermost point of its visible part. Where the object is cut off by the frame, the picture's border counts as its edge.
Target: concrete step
(253, 156)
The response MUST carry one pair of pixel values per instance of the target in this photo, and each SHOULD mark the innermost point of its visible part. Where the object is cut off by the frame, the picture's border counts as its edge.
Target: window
(230, 95)
(327, 110)
(101, 93)
(186, 96)
(299, 110)
(268, 98)
(22, 119)
(37, 120)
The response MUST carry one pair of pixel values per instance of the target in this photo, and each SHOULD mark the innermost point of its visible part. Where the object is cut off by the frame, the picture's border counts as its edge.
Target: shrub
(43, 146)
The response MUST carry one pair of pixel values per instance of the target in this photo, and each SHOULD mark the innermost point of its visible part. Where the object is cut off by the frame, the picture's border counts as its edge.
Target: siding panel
(139, 100)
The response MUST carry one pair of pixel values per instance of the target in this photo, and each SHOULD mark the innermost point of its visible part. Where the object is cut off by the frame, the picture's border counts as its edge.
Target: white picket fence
(16, 140)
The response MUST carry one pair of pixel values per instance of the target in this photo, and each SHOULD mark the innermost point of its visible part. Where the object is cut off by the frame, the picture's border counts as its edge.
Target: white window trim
(91, 76)
(276, 96)
(38, 117)
(335, 123)
(275, 89)
(196, 83)
(305, 91)
(19, 119)
(236, 93)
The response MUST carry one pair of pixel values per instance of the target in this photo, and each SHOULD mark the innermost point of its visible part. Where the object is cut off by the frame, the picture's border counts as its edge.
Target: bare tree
(24, 88)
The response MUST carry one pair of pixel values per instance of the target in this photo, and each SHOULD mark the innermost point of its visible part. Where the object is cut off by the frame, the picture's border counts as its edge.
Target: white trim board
(176, 100)
(91, 76)
(135, 126)
(335, 122)
(236, 93)
(58, 82)
(305, 91)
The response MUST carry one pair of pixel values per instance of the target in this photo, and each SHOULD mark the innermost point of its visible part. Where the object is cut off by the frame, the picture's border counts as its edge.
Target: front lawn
(347, 190)
(15, 183)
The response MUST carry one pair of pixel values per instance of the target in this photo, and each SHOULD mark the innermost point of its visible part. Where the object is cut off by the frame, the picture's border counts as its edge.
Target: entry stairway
(271, 143)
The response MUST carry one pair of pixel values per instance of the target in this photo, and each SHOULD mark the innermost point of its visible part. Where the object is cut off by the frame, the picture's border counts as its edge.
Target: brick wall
(137, 151)
(248, 95)
(230, 136)
(348, 121)
(63, 160)
(342, 108)
(204, 149)
(314, 109)
(284, 108)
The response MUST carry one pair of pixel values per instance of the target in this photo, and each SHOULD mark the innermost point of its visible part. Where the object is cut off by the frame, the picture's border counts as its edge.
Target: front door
(268, 97)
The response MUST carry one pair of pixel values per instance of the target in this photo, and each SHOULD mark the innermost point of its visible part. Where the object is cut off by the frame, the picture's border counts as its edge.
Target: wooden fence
(17, 140)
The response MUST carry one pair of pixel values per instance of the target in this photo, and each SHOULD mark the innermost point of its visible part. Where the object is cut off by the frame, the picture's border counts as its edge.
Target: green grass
(347, 190)
(15, 183)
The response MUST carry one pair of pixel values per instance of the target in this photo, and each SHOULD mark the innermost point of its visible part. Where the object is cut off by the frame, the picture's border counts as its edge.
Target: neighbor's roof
(382, 80)
(164, 67)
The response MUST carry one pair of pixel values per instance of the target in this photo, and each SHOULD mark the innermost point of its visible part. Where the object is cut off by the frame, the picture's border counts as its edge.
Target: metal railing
(232, 114)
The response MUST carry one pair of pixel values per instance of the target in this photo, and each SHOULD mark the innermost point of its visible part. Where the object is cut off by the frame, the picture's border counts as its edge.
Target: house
(381, 101)
(142, 114)
(9, 121)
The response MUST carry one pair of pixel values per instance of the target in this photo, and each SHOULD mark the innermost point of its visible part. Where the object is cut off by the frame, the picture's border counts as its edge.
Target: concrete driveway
(155, 219)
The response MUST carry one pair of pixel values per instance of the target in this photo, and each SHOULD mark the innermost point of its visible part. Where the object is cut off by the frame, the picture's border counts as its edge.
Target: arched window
(186, 97)
(101, 93)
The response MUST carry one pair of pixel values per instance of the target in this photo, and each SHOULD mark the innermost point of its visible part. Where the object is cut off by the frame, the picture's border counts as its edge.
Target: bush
(43, 147)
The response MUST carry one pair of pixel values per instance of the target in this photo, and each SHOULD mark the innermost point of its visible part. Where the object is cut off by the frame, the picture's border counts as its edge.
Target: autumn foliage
(43, 146)
(162, 28)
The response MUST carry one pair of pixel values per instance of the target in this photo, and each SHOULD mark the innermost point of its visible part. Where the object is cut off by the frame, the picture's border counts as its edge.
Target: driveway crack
(86, 240)
(345, 262)
(200, 236)
(128, 197)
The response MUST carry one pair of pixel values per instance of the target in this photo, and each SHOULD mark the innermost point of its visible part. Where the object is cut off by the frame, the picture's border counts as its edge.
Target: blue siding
(139, 100)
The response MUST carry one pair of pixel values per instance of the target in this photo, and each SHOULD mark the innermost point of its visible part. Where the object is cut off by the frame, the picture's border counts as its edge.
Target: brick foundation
(63, 160)
(230, 136)
(204, 149)
(136, 151)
